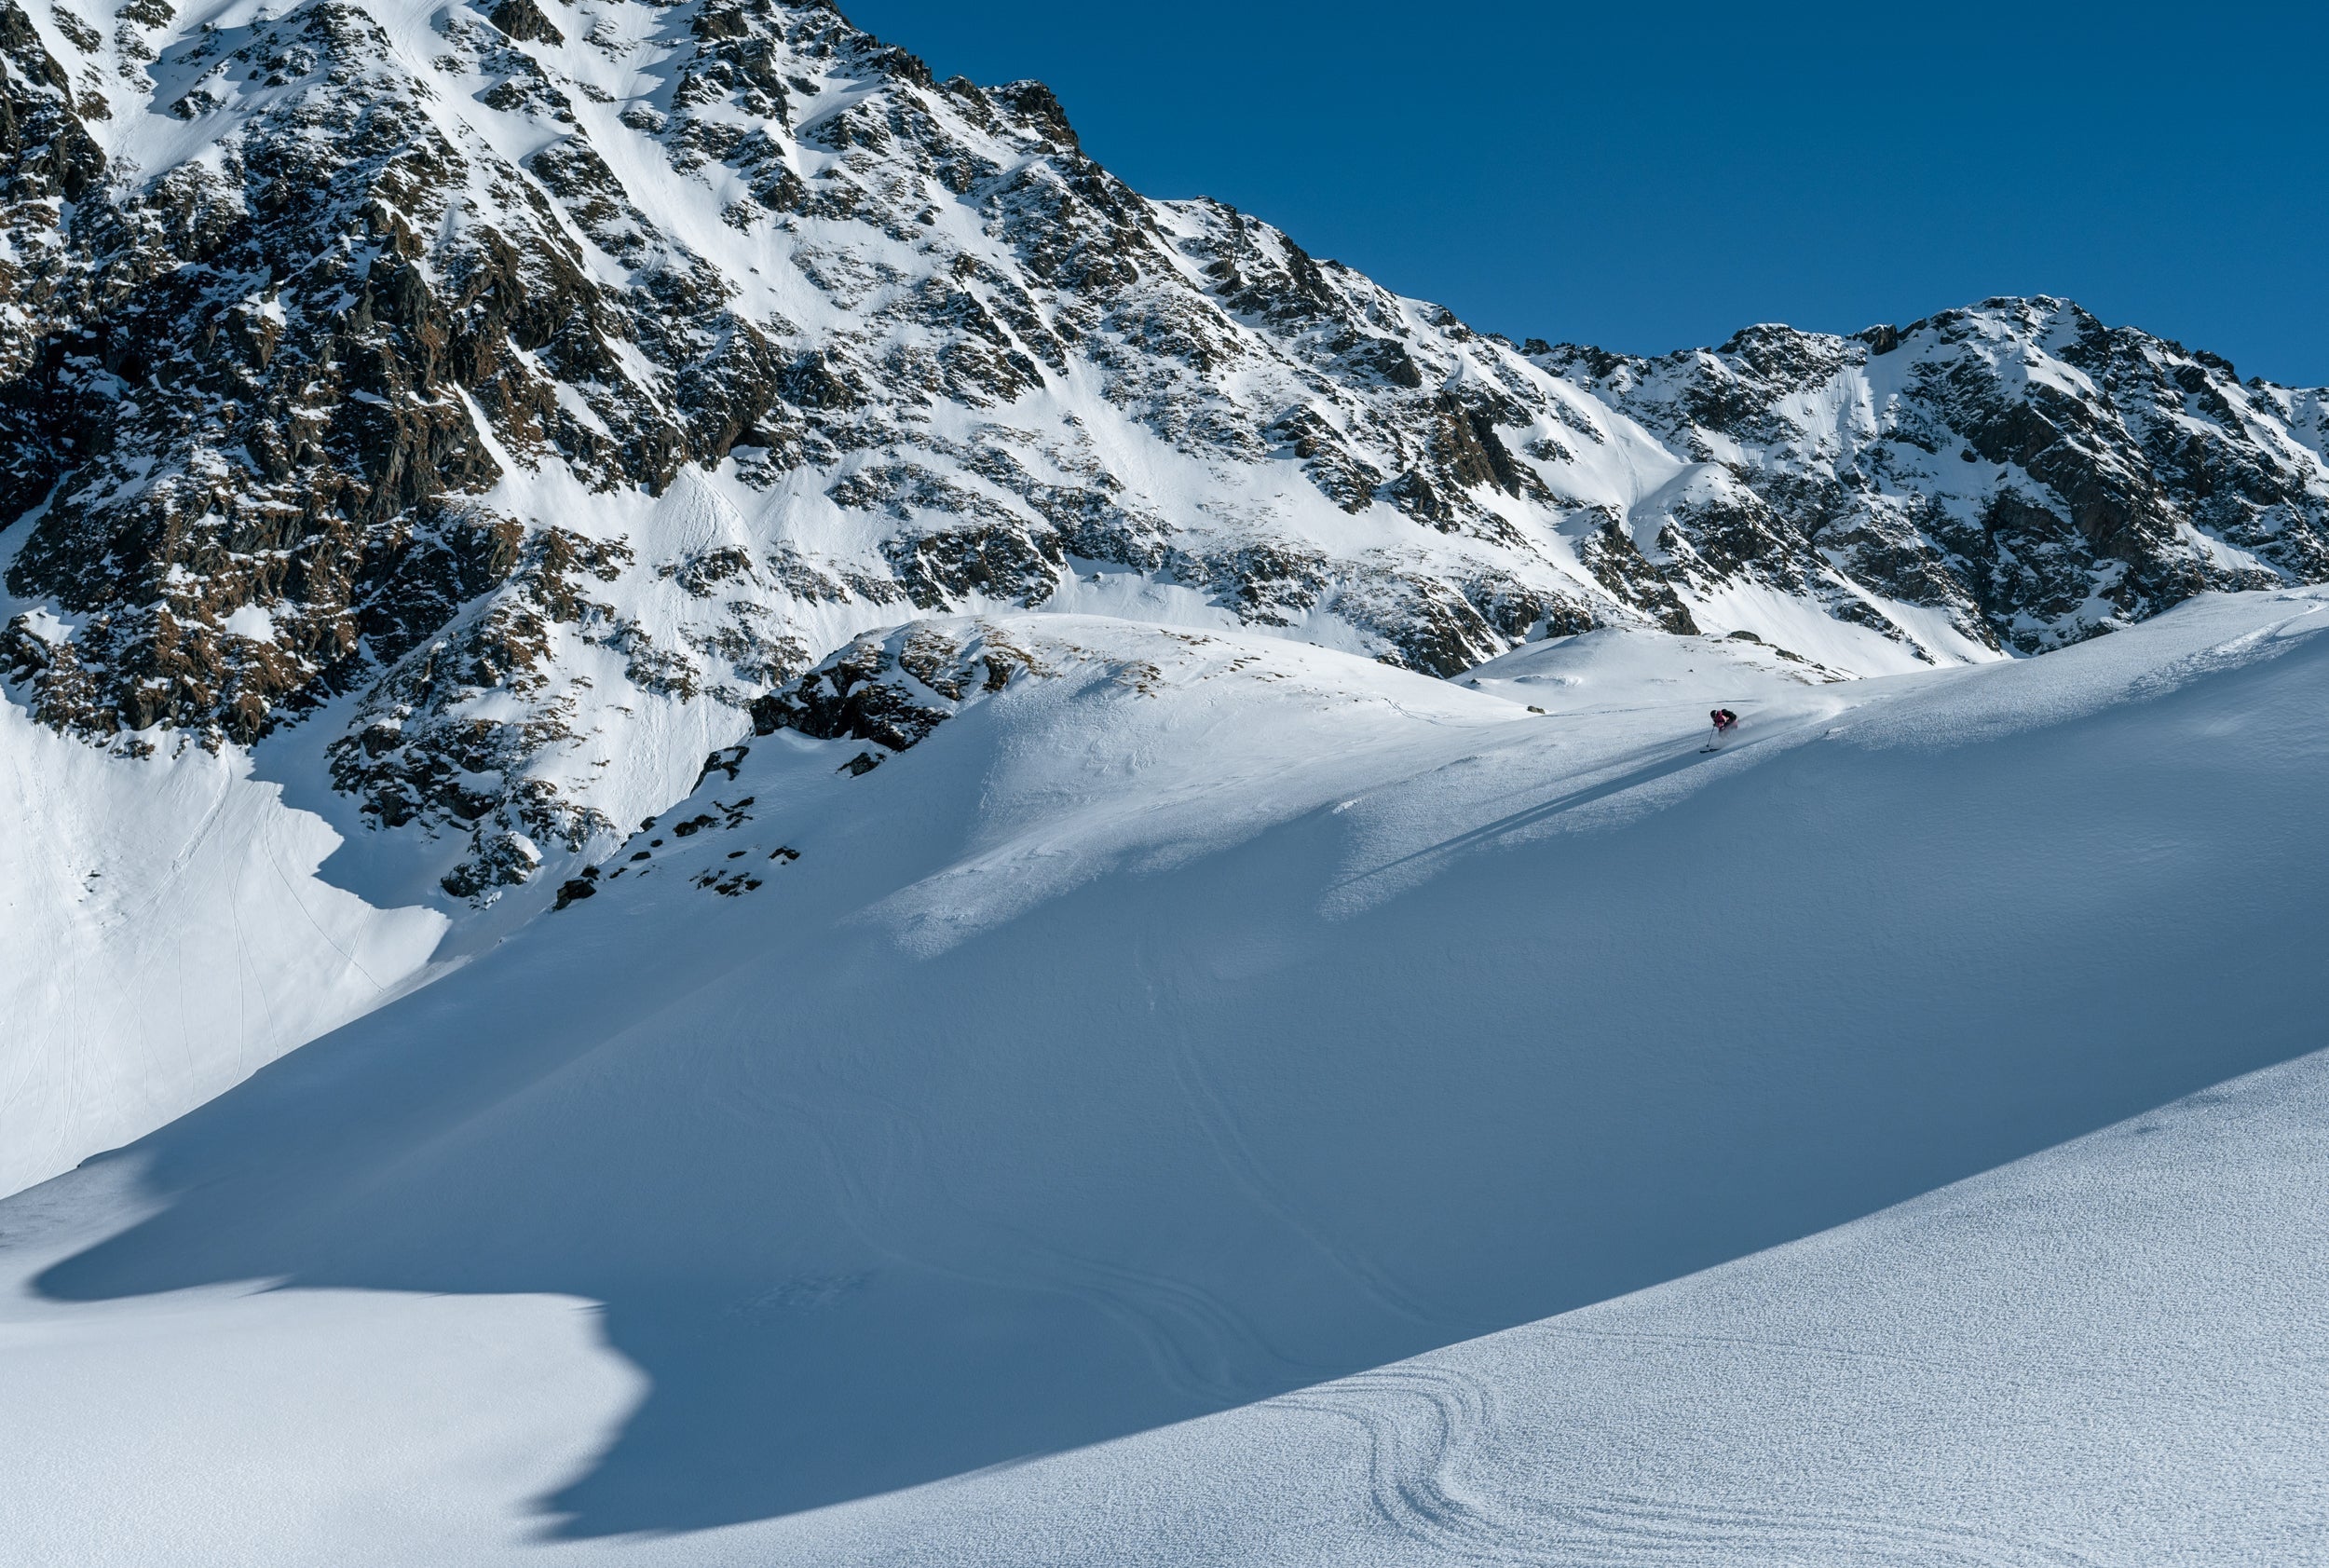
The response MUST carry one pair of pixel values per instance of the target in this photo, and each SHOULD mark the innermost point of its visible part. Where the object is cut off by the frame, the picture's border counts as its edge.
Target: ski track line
(267, 842)
(1159, 1312)
(1421, 1423)
(1637, 767)
(167, 882)
(1105, 1284)
(1426, 1425)
(1238, 1160)
(249, 977)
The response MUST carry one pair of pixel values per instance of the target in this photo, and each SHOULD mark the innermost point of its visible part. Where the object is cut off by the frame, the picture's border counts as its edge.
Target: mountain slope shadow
(1175, 1140)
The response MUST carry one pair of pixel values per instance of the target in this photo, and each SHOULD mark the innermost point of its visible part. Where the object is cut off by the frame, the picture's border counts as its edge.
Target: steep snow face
(165, 935)
(520, 393)
(1052, 1028)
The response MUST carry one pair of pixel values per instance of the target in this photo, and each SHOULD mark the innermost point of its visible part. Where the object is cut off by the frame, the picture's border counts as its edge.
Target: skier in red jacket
(1725, 722)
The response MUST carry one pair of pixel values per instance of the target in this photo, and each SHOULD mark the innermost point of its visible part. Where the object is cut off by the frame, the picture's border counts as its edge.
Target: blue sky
(1649, 177)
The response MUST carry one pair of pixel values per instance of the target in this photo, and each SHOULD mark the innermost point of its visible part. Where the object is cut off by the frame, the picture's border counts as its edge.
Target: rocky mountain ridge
(519, 399)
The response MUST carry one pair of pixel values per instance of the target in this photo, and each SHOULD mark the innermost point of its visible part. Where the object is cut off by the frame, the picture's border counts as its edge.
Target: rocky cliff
(515, 396)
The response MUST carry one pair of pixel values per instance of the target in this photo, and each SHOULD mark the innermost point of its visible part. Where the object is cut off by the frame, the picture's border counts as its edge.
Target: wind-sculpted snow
(2109, 1354)
(1120, 1051)
(523, 393)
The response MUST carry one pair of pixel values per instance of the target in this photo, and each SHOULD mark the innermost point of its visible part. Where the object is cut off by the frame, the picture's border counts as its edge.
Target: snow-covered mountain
(513, 395)
(1186, 1020)
(966, 860)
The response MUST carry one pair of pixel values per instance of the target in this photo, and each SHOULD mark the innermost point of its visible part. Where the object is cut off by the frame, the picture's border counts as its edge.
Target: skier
(1725, 722)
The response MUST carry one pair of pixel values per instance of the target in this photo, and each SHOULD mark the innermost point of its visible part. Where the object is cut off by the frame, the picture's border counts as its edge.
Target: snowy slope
(466, 416)
(1166, 1020)
(1096, 979)
(165, 933)
(2110, 1353)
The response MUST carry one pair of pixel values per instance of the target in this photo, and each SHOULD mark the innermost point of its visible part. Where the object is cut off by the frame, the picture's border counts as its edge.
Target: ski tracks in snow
(1655, 773)
(1242, 1166)
(1202, 1348)
(1431, 1428)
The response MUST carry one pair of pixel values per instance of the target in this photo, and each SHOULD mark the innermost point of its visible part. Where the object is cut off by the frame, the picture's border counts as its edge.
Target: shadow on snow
(1175, 1141)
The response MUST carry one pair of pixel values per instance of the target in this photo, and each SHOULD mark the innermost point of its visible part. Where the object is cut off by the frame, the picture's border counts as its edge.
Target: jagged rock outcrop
(894, 689)
(2027, 473)
(516, 382)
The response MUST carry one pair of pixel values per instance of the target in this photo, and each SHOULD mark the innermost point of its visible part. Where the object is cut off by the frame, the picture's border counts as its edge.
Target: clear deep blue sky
(1651, 176)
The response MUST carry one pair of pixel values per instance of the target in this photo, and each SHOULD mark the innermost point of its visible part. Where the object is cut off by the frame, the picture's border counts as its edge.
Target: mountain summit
(515, 395)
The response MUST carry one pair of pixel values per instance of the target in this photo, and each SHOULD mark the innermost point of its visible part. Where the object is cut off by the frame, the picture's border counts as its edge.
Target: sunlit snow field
(1220, 1020)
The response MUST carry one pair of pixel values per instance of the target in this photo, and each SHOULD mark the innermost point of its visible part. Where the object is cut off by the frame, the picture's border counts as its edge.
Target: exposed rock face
(532, 383)
(894, 689)
(2026, 471)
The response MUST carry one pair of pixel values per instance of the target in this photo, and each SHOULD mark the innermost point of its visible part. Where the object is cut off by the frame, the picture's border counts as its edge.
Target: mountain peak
(498, 388)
